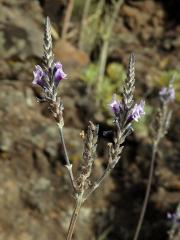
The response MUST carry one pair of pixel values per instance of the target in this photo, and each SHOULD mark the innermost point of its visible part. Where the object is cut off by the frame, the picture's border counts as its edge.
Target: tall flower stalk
(167, 95)
(106, 41)
(87, 5)
(174, 218)
(48, 78)
(67, 18)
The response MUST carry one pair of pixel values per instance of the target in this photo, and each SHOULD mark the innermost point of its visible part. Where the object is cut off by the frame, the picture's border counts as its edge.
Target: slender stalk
(161, 132)
(148, 190)
(83, 23)
(74, 217)
(68, 164)
(97, 183)
(103, 59)
(103, 177)
(67, 18)
(105, 47)
(104, 234)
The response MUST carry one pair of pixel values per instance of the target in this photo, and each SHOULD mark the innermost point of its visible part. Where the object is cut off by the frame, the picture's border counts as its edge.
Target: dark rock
(21, 35)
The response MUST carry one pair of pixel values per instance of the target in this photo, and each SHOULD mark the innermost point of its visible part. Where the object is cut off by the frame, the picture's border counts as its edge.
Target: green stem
(68, 164)
(148, 190)
(83, 23)
(74, 218)
(105, 47)
(67, 18)
(161, 132)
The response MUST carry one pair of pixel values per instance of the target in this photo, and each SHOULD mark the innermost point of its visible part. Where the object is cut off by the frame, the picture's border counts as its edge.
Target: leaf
(90, 74)
(116, 72)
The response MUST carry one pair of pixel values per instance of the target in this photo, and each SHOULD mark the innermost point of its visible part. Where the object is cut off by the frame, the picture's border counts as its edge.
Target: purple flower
(42, 79)
(138, 111)
(173, 217)
(39, 77)
(58, 73)
(167, 94)
(115, 106)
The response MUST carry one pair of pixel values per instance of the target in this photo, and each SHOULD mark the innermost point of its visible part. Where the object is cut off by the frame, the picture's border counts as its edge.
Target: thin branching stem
(87, 5)
(106, 173)
(67, 18)
(97, 183)
(68, 164)
(74, 217)
(106, 41)
(148, 190)
(161, 132)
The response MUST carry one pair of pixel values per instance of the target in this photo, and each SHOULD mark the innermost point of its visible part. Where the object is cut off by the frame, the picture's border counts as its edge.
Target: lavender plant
(87, 5)
(67, 18)
(167, 96)
(48, 77)
(106, 42)
(174, 232)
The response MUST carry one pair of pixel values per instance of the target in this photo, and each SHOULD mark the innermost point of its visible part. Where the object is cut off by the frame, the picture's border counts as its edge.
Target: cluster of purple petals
(40, 75)
(167, 94)
(115, 105)
(137, 111)
(173, 217)
(58, 73)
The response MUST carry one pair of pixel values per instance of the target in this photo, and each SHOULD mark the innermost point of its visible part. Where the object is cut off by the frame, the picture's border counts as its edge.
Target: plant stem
(161, 132)
(107, 37)
(67, 18)
(68, 164)
(97, 183)
(148, 190)
(83, 23)
(74, 217)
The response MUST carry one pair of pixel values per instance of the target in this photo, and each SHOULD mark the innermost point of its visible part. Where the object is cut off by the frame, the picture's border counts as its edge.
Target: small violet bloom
(167, 94)
(58, 73)
(115, 106)
(39, 77)
(173, 217)
(138, 111)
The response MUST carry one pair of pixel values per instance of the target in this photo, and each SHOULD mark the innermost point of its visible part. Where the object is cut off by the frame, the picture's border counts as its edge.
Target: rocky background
(35, 193)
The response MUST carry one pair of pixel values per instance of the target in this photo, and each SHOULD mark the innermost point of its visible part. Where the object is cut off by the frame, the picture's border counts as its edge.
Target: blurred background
(93, 39)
